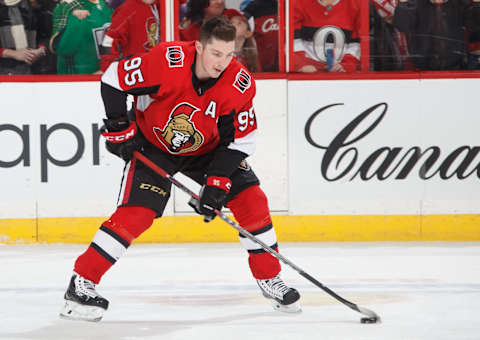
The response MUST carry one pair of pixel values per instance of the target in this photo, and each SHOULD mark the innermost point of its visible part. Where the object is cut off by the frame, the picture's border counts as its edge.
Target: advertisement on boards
(53, 162)
(383, 147)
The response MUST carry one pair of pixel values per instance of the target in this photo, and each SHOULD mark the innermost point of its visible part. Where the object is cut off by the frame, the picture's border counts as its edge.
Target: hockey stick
(372, 316)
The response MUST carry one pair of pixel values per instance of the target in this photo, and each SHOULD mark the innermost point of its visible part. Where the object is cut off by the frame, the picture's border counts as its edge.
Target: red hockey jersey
(176, 112)
(266, 31)
(266, 36)
(319, 28)
(189, 30)
(135, 29)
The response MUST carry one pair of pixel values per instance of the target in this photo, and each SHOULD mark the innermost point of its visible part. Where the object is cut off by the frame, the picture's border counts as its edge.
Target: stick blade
(370, 313)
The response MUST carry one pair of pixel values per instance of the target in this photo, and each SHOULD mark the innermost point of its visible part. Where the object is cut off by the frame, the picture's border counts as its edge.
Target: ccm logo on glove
(121, 136)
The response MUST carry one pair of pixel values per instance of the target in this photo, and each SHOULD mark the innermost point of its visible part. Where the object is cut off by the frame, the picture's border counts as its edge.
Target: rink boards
(343, 160)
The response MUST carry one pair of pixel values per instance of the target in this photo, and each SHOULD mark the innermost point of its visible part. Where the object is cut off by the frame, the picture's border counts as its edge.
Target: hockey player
(194, 115)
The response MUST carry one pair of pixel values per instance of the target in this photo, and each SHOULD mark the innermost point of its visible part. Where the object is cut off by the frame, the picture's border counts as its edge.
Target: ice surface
(205, 291)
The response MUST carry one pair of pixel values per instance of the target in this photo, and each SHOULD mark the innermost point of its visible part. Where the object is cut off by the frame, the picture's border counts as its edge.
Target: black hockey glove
(121, 137)
(212, 196)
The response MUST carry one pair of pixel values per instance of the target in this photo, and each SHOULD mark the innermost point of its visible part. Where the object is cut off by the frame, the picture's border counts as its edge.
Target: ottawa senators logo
(242, 81)
(179, 134)
(175, 56)
(153, 34)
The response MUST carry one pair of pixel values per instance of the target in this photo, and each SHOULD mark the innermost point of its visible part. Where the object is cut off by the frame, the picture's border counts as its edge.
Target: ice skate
(82, 302)
(283, 298)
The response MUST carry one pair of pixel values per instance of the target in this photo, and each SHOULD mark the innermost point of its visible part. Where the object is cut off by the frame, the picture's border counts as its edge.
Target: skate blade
(291, 308)
(75, 311)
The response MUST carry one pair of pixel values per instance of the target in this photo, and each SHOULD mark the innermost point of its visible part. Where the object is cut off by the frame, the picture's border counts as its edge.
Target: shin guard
(250, 208)
(112, 240)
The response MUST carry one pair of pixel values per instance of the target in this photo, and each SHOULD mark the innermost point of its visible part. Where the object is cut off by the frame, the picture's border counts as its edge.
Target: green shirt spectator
(78, 44)
(61, 13)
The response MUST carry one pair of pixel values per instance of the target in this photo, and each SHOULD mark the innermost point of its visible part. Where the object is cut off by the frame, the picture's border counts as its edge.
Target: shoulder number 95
(134, 74)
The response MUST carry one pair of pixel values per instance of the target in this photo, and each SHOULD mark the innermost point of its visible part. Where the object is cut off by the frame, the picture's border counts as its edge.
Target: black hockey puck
(369, 320)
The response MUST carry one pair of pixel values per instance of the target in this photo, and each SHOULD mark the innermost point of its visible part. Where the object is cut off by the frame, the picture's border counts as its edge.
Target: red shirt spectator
(245, 47)
(265, 32)
(199, 11)
(189, 30)
(326, 36)
(135, 29)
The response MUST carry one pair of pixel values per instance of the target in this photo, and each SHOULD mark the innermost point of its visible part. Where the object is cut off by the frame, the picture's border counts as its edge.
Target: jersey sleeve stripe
(245, 144)
(143, 102)
(110, 76)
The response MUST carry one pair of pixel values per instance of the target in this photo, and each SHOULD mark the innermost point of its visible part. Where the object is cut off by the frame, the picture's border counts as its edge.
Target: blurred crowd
(85, 36)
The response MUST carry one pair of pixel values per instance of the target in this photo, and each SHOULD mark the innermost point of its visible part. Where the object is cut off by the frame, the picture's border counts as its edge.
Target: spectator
(77, 48)
(388, 45)
(265, 32)
(61, 13)
(326, 36)
(59, 20)
(114, 4)
(245, 46)
(135, 29)
(182, 10)
(198, 11)
(436, 29)
(42, 10)
(18, 43)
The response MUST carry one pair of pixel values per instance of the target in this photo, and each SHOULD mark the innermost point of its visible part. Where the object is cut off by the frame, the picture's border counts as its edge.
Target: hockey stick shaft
(251, 237)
